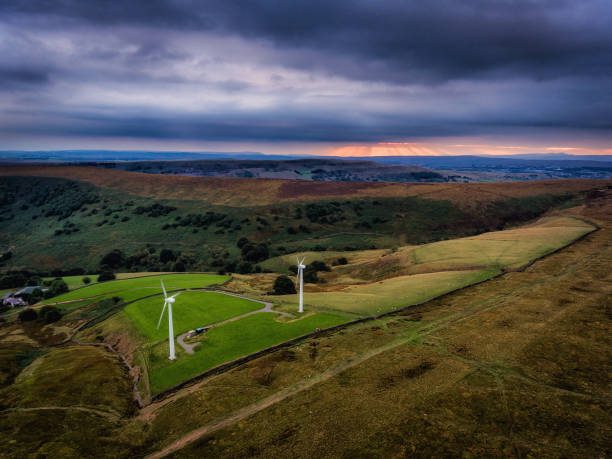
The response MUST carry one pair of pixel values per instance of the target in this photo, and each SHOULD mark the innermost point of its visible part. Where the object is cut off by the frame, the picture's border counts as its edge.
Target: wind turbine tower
(300, 276)
(168, 301)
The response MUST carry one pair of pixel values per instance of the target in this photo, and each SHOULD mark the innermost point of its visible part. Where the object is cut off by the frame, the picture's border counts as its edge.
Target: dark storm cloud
(22, 76)
(317, 70)
(391, 40)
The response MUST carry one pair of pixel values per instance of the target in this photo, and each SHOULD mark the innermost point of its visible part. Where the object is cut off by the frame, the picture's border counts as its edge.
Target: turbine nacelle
(300, 263)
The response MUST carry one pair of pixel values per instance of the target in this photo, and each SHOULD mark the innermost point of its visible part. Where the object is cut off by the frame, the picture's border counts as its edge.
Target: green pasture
(228, 342)
(191, 310)
(134, 288)
(74, 282)
(389, 294)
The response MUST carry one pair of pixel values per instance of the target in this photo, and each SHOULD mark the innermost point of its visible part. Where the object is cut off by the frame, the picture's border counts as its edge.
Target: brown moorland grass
(252, 192)
(516, 366)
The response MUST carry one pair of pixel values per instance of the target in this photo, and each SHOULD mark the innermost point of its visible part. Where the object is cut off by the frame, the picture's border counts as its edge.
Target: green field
(75, 282)
(227, 342)
(191, 310)
(134, 288)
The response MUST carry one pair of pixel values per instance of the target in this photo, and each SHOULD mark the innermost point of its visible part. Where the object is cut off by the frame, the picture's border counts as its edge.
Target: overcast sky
(342, 77)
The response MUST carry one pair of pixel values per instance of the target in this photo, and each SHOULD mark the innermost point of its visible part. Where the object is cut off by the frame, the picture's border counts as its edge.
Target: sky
(341, 77)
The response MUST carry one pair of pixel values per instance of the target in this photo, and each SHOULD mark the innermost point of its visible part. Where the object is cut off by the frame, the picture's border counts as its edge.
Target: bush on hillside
(310, 276)
(319, 266)
(57, 287)
(28, 315)
(50, 314)
(113, 259)
(86, 280)
(244, 267)
(179, 267)
(166, 255)
(284, 286)
(340, 261)
(106, 276)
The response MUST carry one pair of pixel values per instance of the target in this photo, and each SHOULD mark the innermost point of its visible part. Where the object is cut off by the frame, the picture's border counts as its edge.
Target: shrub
(86, 280)
(35, 296)
(310, 276)
(50, 314)
(230, 267)
(284, 286)
(57, 287)
(166, 255)
(244, 267)
(28, 315)
(106, 276)
(113, 259)
(340, 261)
(318, 266)
(179, 267)
(255, 253)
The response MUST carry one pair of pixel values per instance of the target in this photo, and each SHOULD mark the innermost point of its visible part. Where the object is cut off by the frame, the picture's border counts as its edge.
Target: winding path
(267, 308)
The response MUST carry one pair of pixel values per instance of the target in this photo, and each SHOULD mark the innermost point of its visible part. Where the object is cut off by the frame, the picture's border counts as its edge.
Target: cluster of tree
(199, 220)
(301, 228)
(148, 259)
(104, 276)
(47, 315)
(283, 286)
(61, 198)
(340, 261)
(13, 279)
(253, 252)
(326, 213)
(69, 227)
(154, 210)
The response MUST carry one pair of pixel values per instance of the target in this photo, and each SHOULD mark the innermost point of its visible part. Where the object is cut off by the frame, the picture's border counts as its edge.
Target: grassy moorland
(516, 366)
(374, 282)
(54, 218)
(389, 294)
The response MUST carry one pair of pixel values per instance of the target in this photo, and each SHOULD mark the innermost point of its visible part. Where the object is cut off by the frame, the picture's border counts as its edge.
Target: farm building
(12, 301)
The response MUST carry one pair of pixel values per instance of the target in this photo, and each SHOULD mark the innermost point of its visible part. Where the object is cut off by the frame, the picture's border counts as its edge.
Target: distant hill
(318, 168)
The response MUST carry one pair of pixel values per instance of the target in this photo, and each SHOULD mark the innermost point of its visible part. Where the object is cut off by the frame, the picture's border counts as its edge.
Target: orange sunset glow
(443, 149)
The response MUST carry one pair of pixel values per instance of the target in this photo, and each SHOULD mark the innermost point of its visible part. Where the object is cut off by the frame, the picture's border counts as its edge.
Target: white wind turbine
(300, 279)
(168, 300)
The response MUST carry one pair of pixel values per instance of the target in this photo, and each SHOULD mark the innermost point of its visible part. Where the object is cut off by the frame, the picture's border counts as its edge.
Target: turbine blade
(163, 288)
(161, 315)
(176, 294)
